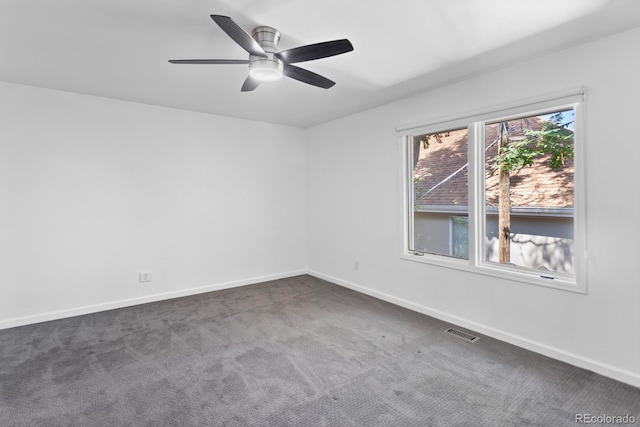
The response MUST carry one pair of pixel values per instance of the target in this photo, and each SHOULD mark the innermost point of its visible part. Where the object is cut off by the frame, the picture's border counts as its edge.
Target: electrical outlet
(145, 276)
(357, 265)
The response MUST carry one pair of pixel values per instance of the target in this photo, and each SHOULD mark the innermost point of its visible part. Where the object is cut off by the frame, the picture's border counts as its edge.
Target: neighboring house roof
(441, 175)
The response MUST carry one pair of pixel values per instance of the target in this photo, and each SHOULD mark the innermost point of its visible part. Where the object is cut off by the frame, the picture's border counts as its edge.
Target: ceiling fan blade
(239, 35)
(315, 51)
(209, 61)
(306, 76)
(250, 84)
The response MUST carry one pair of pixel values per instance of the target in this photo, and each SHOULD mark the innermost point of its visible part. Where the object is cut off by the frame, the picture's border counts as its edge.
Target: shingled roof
(441, 175)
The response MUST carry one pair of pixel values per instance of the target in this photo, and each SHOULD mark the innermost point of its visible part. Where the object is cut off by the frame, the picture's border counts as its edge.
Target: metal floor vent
(461, 334)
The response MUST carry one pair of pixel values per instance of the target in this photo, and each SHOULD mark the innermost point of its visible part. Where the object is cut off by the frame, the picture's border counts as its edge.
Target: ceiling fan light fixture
(265, 70)
(266, 62)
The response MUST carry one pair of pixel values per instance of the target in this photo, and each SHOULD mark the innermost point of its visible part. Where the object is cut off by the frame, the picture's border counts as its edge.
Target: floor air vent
(461, 334)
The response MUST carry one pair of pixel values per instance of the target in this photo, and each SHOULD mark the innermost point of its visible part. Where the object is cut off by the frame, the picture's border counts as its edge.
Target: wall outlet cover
(145, 276)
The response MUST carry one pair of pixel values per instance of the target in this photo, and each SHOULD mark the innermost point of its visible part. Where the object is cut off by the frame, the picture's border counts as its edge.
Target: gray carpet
(292, 352)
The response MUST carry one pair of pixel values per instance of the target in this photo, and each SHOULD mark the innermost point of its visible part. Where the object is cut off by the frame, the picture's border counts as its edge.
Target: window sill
(561, 283)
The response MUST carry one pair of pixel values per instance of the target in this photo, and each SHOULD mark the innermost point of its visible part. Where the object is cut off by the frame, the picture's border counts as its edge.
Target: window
(440, 180)
(500, 193)
(528, 191)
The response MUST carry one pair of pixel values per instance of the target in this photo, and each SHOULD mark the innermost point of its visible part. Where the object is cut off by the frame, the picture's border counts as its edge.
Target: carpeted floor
(292, 352)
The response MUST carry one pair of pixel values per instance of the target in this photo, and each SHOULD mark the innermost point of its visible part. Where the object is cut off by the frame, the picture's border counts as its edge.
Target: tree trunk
(416, 152)
(504, 217)
(504, 205)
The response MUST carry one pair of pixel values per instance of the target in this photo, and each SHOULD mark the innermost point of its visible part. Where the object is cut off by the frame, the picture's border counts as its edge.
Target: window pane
(460, 237)
(529, 192)
(440, 178)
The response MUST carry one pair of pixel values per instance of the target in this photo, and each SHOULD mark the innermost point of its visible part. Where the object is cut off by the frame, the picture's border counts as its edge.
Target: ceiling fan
(265, 62)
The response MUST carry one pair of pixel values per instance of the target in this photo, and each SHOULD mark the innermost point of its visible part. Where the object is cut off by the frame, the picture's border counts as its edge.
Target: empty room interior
(407, 213)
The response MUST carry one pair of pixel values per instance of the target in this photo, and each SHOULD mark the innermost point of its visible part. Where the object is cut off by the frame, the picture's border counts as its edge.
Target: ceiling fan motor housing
(269, 68)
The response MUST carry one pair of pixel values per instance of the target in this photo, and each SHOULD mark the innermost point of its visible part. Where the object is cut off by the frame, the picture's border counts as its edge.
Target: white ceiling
(119, 48)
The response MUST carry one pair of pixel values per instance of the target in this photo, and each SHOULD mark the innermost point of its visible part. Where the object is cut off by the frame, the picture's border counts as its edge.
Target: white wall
(94, 190)
(355, 209)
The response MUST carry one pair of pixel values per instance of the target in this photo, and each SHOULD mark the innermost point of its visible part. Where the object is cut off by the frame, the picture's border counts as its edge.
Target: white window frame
(475, 122)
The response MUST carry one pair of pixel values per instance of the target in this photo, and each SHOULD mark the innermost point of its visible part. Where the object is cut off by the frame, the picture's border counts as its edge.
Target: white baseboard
(94, 308)
(604, 369)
